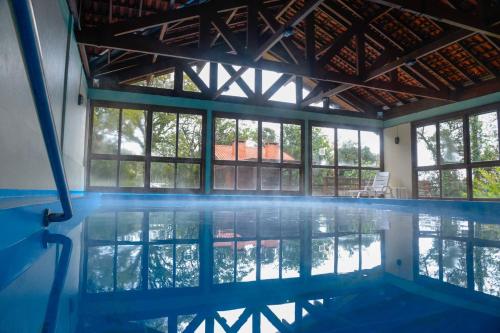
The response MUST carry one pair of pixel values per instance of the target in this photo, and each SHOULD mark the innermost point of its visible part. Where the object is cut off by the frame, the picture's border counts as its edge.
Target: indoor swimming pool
(146, 263)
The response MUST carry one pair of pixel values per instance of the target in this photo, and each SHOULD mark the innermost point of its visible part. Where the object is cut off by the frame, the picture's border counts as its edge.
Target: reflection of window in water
(444, 243)
(236, 244)
(117, 242)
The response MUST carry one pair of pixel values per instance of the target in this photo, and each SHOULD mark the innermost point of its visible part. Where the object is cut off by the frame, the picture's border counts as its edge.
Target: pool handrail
(27, 33)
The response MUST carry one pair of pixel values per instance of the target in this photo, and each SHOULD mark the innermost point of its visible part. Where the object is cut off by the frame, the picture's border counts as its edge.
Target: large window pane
(454, 183)
(483, 137)
(454, 263)
(128, 267)
(164, 134)
(323, 181)
(133, 132)
(323, 259)
(162, 175)
(323, 146)
(486, 183)
(290, 179)
(246, 261)
(189, 136)
(271, 137)
(348, 181)
(367, 177)
(370, 149)
(292, 135)
(225, 135)
(188, 175)
(103, 173)
(451, 140)
(247, 140)
(428, 262)
(426, 145)
(247, 178)
(347, 147)
(428, 184)
(131, 174)
(160, 266)
(100, 269)
(224, 177)
(487, 270)
(187, 272)
(105, 130)
(223, 262)
(270, 179)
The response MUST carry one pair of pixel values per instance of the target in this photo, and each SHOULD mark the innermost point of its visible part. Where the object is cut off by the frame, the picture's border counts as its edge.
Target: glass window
(224, 177)
(188, 175)
(189, 136)
(348, 181)
(323, 146)
(162, 175)
(270, 178)
(370, 149)
(483, 130)
(246, 166)
(131, 174)
(164, 134)
(247, 140)
(428, 184)
(133, 132)
(105, 130)
(486, 183)
(247, 178)
(292, 143)
(225, 135)
(454, 183)
(103, 173)
(173, 158)
(367, 177)
(451, 141)
(347, 147)
(290, 179)
(426, 145)
(271, 142)
(323, 181)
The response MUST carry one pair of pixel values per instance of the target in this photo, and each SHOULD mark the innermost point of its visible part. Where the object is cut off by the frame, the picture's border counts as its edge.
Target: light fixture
(410, 62)
(288, 32)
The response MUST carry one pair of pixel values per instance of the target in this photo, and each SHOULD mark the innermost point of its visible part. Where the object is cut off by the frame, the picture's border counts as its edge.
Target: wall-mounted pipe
(30, 46)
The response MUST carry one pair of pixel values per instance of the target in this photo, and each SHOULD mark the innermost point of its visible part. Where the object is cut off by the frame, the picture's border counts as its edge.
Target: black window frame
(147, 158)
(336, 167)
(259, 164)
(467, 164)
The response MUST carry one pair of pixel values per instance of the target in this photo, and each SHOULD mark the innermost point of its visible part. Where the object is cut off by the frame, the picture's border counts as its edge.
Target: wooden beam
(308, 7)
(236, 76)
(180, 14)
(133, 73)
(360, 54)
(229, 82)
(338, 44)
(439, 11)
(274, 25)
(283, 79)
(195, 78)
(152, 46)
(252, 26)
(227, 34)
(310, 41)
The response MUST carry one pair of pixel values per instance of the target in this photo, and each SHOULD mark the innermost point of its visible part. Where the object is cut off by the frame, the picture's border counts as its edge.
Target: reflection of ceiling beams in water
(232, 296)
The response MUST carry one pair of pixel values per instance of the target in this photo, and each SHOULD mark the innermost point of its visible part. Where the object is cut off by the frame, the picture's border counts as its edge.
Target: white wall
(23, 158)
(397, 157)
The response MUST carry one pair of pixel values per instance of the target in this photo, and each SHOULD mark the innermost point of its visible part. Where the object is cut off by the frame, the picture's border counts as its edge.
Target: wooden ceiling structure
(374, 58)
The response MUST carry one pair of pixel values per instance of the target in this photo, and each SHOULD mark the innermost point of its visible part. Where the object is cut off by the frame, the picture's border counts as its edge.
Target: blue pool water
(128, 263)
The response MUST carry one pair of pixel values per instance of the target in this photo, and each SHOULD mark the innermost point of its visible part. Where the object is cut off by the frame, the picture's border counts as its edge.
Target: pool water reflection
(279, 268)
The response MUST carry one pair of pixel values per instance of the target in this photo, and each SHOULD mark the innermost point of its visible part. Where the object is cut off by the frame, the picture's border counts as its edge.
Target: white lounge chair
(380, 186)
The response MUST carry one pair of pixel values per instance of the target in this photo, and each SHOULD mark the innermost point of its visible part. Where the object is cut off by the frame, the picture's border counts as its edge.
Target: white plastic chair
(379, 187)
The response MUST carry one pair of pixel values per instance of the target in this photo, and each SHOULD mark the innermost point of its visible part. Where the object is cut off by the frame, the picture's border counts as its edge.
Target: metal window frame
(467, 164)
(147, 158)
